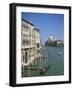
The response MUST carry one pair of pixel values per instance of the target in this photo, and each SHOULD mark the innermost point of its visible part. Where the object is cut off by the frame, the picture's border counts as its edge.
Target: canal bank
(54, 60)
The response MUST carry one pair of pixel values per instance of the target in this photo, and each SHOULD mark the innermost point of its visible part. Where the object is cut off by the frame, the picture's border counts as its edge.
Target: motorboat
(60, 53)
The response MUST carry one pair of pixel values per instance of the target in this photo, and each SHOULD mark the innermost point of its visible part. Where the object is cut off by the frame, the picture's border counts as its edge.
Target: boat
(44, 69)
(43, 62)
(60, 53)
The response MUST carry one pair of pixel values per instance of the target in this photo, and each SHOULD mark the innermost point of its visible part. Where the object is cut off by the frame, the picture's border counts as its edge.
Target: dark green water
(54, 59)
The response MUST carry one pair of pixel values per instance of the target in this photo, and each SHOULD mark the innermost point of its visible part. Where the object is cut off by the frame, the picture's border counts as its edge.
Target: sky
(47, 23)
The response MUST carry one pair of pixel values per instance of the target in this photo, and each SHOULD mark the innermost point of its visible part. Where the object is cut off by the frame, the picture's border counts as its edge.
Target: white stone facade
(30, 42)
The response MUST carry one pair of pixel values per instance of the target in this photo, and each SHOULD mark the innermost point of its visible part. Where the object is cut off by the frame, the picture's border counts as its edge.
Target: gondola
(44, 69)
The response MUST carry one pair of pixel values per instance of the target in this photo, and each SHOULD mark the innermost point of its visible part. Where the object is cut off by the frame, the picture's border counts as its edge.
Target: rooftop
(35, 28)
(27, 21)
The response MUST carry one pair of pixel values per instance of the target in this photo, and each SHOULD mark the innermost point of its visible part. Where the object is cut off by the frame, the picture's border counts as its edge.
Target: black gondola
(44, 69)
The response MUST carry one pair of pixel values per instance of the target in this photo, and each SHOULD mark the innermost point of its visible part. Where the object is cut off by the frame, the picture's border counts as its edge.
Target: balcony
(26, 46)
(25, 32)
(25, 38)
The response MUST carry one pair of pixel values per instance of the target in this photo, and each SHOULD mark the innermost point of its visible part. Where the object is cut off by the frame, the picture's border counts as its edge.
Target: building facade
(60, 43)
(30, 42)
(52, 41)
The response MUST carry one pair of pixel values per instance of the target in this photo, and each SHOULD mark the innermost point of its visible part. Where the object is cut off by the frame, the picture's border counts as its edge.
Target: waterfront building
(60, 43)
(30, 42)
(50, 38)
(52, 41)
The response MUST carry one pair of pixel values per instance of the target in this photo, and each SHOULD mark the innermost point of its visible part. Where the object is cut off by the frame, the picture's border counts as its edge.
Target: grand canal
(54, 59)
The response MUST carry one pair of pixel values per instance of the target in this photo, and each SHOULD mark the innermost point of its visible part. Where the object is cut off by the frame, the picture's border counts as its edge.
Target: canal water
(55, 60)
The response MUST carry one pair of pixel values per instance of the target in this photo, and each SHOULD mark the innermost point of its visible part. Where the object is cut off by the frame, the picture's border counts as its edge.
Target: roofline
(31, 24)
(36, 29)
(28, 21)
(60, 40)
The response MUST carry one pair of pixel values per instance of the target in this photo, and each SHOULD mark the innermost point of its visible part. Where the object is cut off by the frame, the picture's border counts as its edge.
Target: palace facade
(30, 42)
